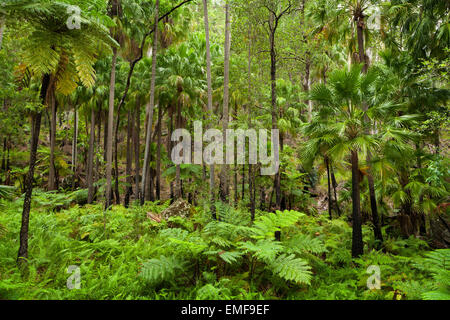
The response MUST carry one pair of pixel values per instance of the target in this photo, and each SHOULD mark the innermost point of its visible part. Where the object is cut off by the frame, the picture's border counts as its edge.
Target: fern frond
(304, 243)
(265, 250)
(163, 269)
(292, 269)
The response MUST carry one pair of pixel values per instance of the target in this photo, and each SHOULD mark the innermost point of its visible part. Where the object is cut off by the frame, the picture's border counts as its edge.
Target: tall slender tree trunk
(51, 174)
(273, 80)
(251, 173)
(35, 131)
(74, 146)
(169, 147)
(357, 241)
(116, 161)
(109, 144)
(224, 179)
(105, 135)
(150, 108)
(136, 134)
(129, 190)
(97, 159)
(178, 188)
(210, 107)
(158, 155)
(90, 175)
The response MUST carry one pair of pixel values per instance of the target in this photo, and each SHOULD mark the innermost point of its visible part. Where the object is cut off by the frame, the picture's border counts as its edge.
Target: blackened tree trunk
(357, 241)
(35, 131)
(335, 185)
(273, 81)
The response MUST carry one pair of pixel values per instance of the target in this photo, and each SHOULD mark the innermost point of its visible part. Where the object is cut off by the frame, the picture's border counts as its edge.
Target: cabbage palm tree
(342, 99)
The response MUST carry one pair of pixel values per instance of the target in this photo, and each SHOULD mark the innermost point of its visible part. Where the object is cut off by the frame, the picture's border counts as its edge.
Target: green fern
(265, 226)
(292, 269)
(438, 263)
(302, 243)
(163, 269)
(265, 250)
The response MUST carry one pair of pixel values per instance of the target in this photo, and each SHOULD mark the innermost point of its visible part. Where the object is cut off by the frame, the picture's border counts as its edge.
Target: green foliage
(162, 269)
(438, 264)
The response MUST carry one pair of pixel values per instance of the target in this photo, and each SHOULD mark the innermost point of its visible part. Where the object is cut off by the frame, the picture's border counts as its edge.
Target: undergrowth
(122, 254)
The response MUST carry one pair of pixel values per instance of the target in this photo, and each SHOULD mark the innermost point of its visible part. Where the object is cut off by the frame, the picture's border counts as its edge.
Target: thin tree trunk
(116, 161)
(109, 146)
(51, 174)
(97, 162)
(74, 146)
(251, 173)
(327, 163)
(150, 107)
(158, 155)
(357, 241)
(35, 130)
(224, 181)
(129, 191)
(334, 183)
(136, 134)
(273, 81)
(178, 188)
(210, 107)
(90, 175)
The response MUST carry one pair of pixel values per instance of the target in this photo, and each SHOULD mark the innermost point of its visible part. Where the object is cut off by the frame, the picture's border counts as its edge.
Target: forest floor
(122, 254)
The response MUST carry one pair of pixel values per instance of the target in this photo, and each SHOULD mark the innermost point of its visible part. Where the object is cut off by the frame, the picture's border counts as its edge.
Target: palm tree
(342, 99)
(60, 57)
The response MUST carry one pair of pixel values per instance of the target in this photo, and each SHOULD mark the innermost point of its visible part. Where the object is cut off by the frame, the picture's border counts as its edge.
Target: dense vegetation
(91, 92)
